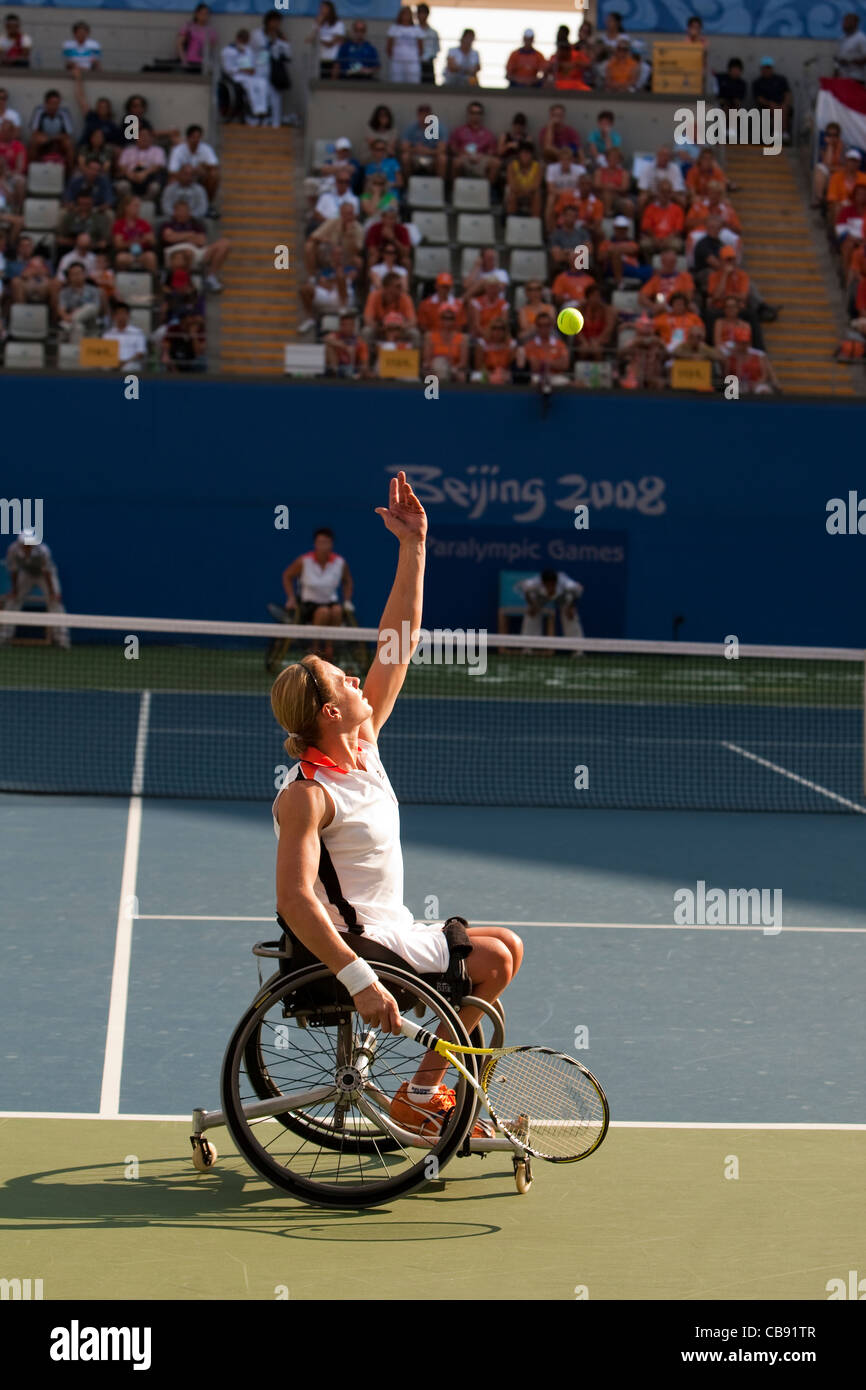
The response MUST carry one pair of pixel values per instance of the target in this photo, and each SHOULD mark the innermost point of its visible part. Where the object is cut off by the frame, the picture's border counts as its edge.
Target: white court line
(614, 1124)
(606, 926)
(109, 1098)
(794, 777)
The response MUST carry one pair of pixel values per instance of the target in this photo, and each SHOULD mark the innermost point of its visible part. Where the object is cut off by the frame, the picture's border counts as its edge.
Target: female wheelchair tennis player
(322, 1089)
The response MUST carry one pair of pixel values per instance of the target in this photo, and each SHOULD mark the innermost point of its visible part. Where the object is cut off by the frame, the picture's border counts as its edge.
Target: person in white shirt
(429, 43)
(328, 33)
(132, 342)
(404, 48)
(31, 566)
(6, 111)
(240, 63)
(485, 268)
(15, 46)
(81, 51)
(82, 253)
(331, 199)
(275, 53)
(338, 797)
(195, 151)
(649, 177)
(562, 176)
(319, 575)
(546, 587)
(462, 64)
(850, 56)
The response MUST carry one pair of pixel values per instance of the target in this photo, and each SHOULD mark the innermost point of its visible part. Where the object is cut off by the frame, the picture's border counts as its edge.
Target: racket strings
(545, 1101)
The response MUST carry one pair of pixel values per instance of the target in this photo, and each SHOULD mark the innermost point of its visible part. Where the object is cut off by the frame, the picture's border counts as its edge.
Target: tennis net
(181, 709)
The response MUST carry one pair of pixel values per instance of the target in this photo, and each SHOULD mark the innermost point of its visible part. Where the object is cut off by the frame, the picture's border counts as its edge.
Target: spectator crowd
(103, 220)
(466, 244)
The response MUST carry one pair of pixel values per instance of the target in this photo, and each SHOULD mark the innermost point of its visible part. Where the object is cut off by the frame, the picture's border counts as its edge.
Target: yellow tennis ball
(570, 321)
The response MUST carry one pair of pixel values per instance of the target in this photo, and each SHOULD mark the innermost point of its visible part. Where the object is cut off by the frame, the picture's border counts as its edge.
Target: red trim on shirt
(322, 760)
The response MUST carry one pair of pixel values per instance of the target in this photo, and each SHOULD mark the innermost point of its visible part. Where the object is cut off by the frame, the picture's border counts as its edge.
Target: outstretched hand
(404, 516)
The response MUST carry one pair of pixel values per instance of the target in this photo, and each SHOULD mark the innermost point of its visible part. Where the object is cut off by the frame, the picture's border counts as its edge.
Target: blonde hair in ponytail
(295, 703)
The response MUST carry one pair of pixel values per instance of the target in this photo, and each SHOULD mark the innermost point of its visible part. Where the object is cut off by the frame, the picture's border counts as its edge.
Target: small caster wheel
(204, 1154)
(522, 1175)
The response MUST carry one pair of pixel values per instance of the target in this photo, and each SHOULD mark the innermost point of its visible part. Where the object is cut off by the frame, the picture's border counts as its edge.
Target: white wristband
(357, 975)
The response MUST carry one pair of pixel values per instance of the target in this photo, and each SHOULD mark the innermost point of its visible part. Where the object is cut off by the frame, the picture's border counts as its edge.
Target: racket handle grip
(420, 1035)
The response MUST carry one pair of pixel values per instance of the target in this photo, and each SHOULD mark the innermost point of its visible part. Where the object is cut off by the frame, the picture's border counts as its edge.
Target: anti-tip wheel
(522, 1175)
(204, 1154)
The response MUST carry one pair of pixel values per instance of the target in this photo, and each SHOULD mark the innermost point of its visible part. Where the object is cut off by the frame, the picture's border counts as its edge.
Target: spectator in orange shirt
(523, 183)
(346, 353)
(729, 324)
(430, 309)
(655, 296)
(490, 304)
(702, 208)
(621, 71)
(590, 209)
(831, 156)
(526, 67)
(544, 352)
(390, 299)
(726, 282)
(599, 326)
(612, 182)
(662, 221)
(843, 182)
(532, 306)
(704, 172)
(495, 354)
(850, 225)
(673, 325)
(567, 68)
(570, 287)
(446, 351)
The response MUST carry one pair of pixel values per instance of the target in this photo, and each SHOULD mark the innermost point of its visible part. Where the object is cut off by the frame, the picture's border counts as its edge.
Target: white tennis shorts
(423, 945)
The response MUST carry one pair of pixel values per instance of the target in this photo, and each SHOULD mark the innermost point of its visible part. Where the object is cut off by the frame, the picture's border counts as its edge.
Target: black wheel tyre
(326, 1194)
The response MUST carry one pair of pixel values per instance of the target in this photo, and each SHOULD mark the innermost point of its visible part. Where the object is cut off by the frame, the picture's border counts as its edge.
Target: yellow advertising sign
(400, 363)
(678, 69)
(99, 352)
(691, 374)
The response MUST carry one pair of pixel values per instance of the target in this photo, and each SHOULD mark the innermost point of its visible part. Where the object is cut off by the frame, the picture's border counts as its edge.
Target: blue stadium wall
(792, 19)
(714, 512)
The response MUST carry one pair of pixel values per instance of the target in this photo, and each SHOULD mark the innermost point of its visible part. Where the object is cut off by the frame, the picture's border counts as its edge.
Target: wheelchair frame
(355, 1083)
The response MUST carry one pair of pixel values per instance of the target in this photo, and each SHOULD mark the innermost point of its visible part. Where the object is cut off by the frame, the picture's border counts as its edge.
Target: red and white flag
(844, 100)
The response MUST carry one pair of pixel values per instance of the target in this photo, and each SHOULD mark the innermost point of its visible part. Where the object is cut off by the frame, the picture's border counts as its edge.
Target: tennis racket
(543, 1100)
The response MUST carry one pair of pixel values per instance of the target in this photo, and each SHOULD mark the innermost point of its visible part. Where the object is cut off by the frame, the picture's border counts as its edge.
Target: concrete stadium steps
(782, 257)
(259, 310)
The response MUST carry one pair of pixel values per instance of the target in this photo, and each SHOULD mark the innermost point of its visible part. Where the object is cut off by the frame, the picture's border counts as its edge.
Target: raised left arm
(406, 519)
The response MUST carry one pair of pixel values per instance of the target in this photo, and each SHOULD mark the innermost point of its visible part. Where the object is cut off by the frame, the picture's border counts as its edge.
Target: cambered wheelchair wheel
(302, 1041)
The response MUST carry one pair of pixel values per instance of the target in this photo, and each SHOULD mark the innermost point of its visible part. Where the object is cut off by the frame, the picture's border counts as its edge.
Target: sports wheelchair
(307, 1085)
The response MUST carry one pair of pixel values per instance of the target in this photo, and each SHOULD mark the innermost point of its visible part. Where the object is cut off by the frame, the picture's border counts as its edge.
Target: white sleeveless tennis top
(319, 583)
(363, 840)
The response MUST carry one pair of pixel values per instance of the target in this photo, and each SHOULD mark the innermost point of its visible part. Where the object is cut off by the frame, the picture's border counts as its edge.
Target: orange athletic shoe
(426, 1117)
